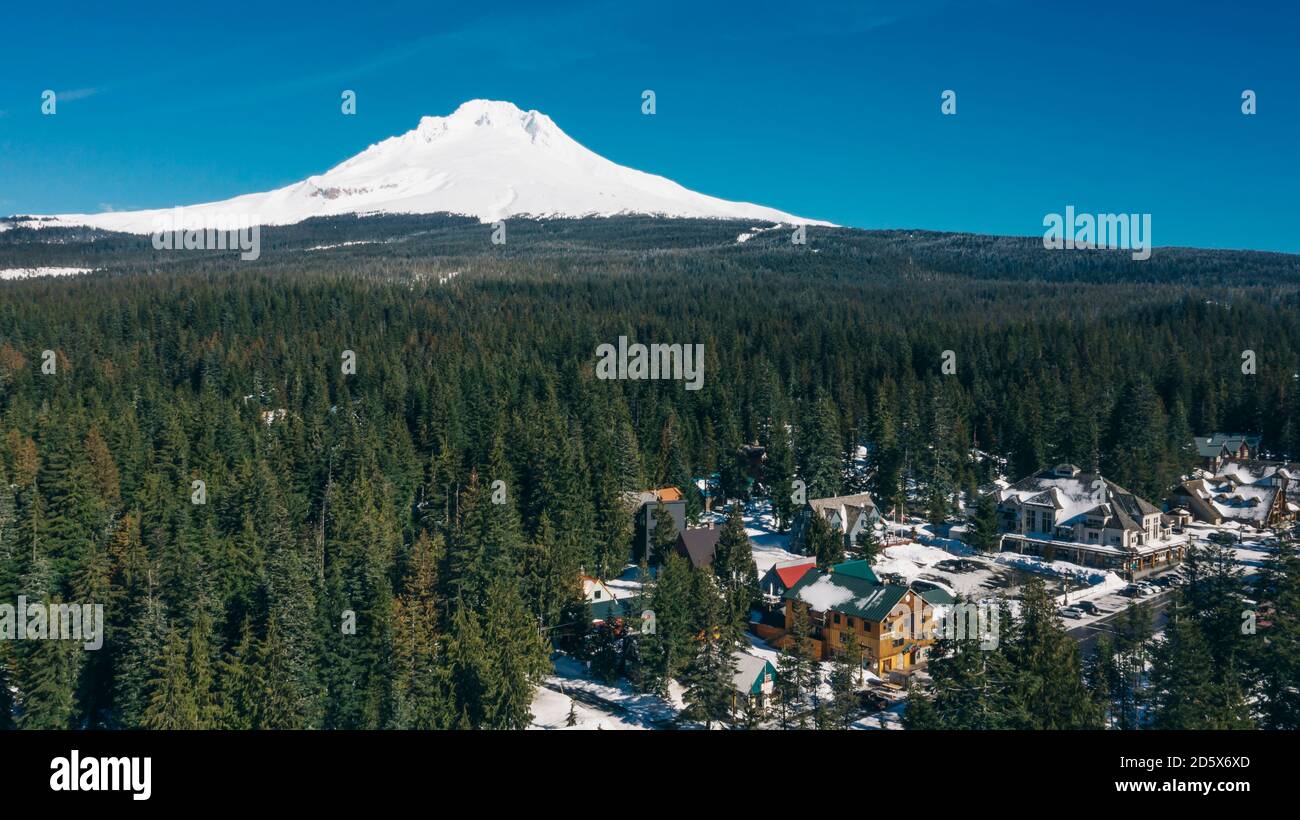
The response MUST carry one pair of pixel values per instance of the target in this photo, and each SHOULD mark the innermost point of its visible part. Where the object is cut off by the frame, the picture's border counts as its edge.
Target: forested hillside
(371, 492)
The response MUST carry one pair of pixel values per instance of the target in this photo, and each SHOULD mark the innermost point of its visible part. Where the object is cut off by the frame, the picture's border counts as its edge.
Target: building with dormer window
(1068, 514)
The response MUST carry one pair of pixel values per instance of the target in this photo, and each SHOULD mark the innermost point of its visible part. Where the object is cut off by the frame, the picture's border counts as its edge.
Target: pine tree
(172, 703)
(517, 658)
(736, 573)
(664, 534)
(779, 473)
(1186, 692)
(1047, 689)
(419, 687)
(821, 441)
(796, 669)
(708, 678)
(606, 653)
(825, 542)
(281, 698)
(46, 681)
(671, 603)
(844, 681)
(868, 545)
(984, 530)
(201, 676)
(1277, 659)
(1101, 676)
(239, 684)
(971, 681)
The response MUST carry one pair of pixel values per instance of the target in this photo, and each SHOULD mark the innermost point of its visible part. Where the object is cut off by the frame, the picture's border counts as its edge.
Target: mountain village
(896, 578)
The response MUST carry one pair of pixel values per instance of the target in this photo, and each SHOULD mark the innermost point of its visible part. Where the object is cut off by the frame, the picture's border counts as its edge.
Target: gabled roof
(848, 507)
(1261, 472)
(1075, 493)
(836, 592)
(1213, 445)
(1223, 497)
(749, 672)
(698, 545)
(662, 495)
(791, 571)
(786, 574)
(936, 597)
(860, 568)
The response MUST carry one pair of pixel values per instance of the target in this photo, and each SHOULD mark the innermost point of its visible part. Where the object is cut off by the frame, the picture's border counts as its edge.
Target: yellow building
(894, 625)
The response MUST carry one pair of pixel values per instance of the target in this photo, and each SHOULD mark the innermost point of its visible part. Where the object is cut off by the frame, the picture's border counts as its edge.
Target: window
(596, 596)
(837, 617)
(851, 624)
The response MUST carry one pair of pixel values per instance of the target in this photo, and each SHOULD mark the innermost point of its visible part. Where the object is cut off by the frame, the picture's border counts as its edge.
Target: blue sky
(825, 110)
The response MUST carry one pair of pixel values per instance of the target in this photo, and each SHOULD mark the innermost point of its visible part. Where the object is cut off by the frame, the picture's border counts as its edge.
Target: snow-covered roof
(748, 668)
(1075, 493)
(1260, 472)
(1241, 502)
(838, 592)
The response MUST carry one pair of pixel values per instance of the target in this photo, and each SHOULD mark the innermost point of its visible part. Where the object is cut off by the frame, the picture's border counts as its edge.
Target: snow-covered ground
(341, 245)
(891, 718)
(626, 704)
(551, 711)
(1250, 549)
(770, 546)
(27, 273)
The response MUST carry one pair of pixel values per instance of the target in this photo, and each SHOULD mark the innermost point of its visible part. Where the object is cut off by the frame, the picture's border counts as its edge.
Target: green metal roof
(838, 592)
(936, 597)
(860, 568)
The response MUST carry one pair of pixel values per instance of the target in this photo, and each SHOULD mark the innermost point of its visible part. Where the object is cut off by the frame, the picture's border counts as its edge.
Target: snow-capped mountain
(488, 159)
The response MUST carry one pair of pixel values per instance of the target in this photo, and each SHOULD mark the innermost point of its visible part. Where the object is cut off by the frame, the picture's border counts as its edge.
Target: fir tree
(844, 681)
(736, 573)
(664, 534)
(868, 545)
(984, 531)
(708, 678)
(1186, 692)
(796, 670)
(1046, 688)
(172, 704)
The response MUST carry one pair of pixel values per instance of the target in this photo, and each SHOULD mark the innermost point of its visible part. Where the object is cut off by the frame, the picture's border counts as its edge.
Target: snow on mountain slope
(489, 160)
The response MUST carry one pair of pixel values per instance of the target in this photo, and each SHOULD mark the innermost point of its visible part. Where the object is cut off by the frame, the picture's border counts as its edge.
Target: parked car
(1089, 607)
(873, 701)
(1071, 612)
(1130, 591)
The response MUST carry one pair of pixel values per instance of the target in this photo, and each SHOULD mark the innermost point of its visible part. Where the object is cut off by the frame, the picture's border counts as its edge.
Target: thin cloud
(76, 94)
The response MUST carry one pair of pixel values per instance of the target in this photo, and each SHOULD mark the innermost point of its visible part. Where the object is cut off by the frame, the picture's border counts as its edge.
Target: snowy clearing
(28, 273)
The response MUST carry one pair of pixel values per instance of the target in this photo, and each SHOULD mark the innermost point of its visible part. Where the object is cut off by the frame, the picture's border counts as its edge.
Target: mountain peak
(496, 115)
(488, 159)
